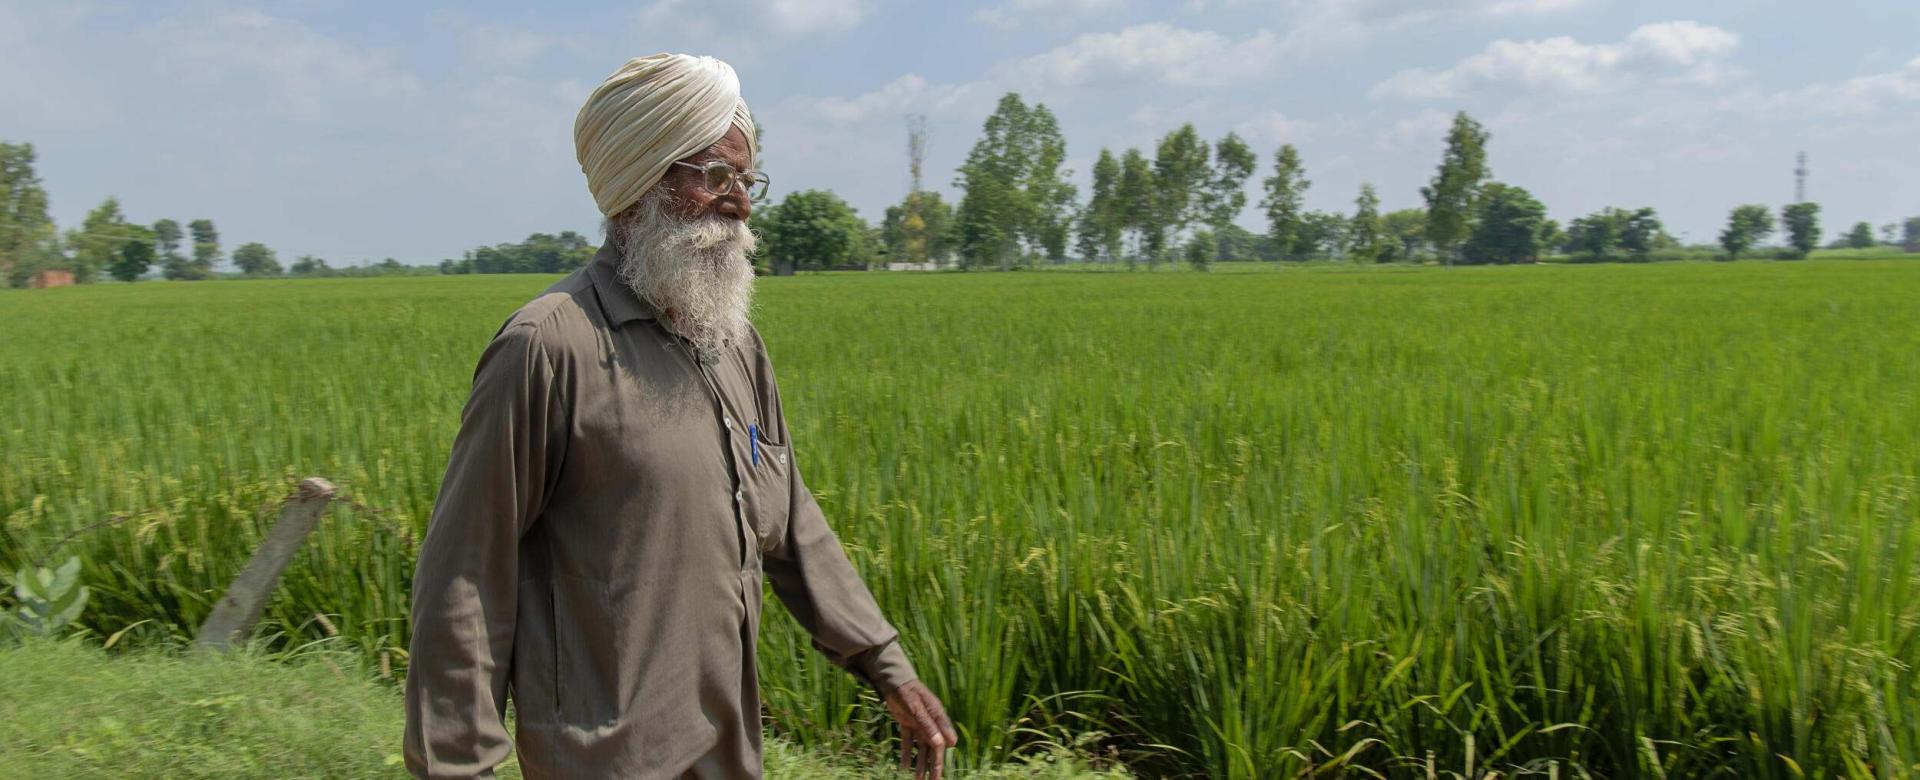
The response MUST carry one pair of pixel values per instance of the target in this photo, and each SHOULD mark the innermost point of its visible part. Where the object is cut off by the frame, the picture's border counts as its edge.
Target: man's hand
(925, 732)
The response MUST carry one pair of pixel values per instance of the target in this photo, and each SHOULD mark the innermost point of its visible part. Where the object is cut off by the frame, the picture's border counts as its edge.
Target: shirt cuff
(887, 668)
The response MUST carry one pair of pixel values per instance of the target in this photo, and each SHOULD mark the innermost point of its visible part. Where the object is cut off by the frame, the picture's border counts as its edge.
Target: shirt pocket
(768, 491)
(590, 684)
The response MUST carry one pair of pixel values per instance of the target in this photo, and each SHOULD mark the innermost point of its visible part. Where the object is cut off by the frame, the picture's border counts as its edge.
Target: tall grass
(1629, 521)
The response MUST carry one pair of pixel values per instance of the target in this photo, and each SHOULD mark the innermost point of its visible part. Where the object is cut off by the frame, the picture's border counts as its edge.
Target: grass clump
(68, 710)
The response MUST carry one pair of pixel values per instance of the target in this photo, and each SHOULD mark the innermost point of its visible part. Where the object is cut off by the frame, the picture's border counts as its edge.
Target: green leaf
(69, 607)
(68, 574)
(23, 587)
(115, 638)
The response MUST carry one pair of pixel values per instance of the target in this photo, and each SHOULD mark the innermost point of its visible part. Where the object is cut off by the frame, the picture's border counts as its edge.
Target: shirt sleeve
(465, 583)
(820, 588)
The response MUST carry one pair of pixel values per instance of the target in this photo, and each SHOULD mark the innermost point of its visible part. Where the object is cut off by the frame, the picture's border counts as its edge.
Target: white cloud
(44, 57)
(1681, 51)
(809, 16)
(499, 47)
(704, 19)
(1859, 96)
(1156, 115)
(906, 94)
(1512, 7)
(1421, 130)
(1271, 128)
(657, 10)
(1155, 52)
(298, 72)
(1317, 24)
(1683, 44)
(1012, 12)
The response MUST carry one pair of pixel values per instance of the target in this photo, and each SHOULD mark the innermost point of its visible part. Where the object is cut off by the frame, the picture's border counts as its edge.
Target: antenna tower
(1800, 180)
(916, 146)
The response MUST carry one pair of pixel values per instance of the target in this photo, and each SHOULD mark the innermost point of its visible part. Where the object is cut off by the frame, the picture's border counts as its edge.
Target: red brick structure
(50, 278)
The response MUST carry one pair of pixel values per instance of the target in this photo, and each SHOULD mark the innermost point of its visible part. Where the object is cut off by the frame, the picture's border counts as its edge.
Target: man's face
(685, 250)
(691, 200)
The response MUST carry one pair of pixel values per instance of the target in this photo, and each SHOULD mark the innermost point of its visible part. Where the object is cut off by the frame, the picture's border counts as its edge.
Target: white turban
(652, 111)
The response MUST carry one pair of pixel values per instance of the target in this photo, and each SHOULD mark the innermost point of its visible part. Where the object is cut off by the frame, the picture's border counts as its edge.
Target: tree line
(107, 245)
(1181, 204)
(541, 253)
(1017, 209)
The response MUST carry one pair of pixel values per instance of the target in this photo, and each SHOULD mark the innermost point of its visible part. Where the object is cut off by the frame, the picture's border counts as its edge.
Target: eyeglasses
(720, 178)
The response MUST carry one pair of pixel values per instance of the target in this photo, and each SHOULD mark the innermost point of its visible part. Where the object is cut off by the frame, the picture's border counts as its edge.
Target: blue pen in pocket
(753, 436)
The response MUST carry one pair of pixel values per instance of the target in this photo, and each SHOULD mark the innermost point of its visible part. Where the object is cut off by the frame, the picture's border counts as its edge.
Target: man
(621, 478)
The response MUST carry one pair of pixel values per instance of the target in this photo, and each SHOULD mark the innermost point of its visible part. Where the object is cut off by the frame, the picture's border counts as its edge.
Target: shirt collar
(616, 298)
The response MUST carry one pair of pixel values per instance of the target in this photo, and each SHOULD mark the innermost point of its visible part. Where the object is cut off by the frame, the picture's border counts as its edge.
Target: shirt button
(728, 421)
(738, 495)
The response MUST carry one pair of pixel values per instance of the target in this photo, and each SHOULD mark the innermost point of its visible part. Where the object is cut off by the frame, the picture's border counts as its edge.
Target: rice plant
(1606, 521)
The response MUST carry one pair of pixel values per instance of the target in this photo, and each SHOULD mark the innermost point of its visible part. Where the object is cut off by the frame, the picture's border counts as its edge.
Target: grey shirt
(597, 548)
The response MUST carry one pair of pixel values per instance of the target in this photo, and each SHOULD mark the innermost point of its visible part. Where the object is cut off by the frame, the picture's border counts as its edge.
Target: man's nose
(733, 204)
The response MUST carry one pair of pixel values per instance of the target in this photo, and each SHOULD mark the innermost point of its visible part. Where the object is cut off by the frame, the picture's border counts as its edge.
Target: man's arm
(813, 578)
(465, 584)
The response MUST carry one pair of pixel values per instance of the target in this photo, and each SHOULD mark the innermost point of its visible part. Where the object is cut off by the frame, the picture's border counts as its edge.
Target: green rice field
(1655, 521)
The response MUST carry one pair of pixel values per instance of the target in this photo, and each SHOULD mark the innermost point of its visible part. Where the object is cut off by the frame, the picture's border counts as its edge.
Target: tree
(1134, 201)
(813, 229)
(1364, 229)
(1320, 235)
(1508, 230)
(1046, 187)
(255, 259)
(993, 210)
(1225, 193)
(166, 237)
(97, 244)
(206, 248)
(28, 240)
(1454, 195)
(1100, 221)
(1286, 194)
(1801, 221)
(1200, 250)
(1552, 238)
(985, 224)
(1912, 230)
(308, 265)
(1890, 233)
(545, 253)
(135, 256)
(1405, 234)
(1232, 242)
(1640, 232)
(918, 229)
(540, 253)
(1861, 237)
(1601, 234)
(1180, 178)
(1014, 191)
(1746, 226)
(1596, 236)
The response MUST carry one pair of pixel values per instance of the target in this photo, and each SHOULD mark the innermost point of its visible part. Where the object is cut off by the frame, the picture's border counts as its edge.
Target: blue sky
(360, 130)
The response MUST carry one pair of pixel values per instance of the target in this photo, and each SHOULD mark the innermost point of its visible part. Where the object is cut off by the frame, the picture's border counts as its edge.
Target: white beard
(696, 269)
